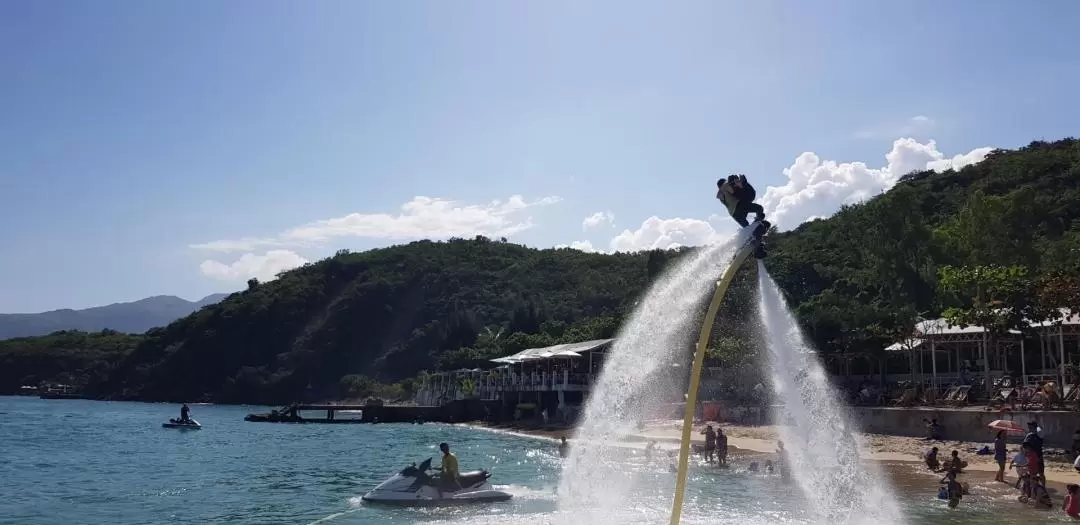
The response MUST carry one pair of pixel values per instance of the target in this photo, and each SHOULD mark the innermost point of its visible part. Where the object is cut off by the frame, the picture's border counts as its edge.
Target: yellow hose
(695, 374)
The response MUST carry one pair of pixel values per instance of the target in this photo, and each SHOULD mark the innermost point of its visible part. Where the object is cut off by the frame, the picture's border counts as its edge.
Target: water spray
(753, 246)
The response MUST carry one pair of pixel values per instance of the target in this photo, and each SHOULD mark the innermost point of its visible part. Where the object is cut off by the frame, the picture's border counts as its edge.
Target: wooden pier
(373, 413)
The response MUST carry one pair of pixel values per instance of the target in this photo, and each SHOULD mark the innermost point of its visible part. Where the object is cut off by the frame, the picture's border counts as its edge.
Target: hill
(865, 273)
(134, 317)
(858, 279)
(386, 314)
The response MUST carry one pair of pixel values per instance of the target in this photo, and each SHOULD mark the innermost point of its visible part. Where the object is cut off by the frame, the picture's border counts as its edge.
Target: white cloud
(598, 219)
(817, 188)
(585, 246)
(657, 233)
(262, 267)
(420, 218)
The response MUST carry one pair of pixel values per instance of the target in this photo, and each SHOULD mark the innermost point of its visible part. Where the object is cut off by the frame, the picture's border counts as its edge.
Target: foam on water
(817, 435)
(638, 376)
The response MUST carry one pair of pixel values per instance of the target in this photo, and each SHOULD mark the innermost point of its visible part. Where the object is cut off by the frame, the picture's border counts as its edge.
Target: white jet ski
(176, 423)
(413, 486)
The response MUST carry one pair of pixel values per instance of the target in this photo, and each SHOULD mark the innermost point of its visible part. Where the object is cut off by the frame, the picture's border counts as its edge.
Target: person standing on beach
(1035, 442)
(1000, 453)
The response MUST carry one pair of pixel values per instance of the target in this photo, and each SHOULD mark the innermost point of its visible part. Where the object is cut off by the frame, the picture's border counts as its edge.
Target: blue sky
(177, 148)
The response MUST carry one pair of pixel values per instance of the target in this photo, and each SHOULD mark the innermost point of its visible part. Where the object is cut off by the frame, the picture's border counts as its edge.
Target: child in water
(954, 491)
(1072, 501)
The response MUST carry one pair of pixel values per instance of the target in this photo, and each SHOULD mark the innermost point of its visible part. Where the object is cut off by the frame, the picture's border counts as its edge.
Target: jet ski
(176, 423)
(413, 486)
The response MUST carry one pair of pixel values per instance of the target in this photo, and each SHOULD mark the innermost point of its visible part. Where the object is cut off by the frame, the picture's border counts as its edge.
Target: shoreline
(752, 440)
(904, 473)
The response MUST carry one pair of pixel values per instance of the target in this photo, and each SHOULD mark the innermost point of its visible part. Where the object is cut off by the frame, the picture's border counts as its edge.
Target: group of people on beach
(1028, 463)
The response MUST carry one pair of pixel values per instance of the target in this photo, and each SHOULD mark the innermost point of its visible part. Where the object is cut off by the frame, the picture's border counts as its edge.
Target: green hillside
(332, 328)
(385, 314)
(869, 269)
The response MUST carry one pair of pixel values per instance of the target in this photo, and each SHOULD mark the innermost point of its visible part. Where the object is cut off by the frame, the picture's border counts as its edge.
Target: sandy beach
(876, 447)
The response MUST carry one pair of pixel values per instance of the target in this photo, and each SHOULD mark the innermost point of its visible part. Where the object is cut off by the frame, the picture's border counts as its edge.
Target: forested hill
(857, 279)
(386, 314)
(869, 270)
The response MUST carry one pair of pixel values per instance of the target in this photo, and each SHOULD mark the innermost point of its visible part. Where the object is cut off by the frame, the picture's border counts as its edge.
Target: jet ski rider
(449, 478)
(184, 417)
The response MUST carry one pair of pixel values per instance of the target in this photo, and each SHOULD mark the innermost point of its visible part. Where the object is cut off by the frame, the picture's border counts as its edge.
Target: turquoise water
(87, 462)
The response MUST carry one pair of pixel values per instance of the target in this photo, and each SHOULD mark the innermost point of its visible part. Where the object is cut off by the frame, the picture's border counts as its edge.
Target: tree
(996, 298)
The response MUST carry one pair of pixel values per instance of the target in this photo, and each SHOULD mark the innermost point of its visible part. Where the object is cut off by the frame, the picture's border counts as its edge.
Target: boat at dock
(56, 391)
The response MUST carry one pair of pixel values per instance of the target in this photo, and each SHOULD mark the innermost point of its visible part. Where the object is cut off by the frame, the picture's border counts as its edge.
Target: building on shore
(942, 363)
(939, 355)
(549, 382)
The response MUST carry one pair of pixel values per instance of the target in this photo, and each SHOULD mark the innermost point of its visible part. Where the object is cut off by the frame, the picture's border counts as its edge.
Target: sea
(93, 462)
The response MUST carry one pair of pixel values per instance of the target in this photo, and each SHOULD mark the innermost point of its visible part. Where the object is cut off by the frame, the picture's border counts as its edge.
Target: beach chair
(960, 397)
(1005, 393)
(929, 396)
(909, 398)
(1029, 398)
(950, 395)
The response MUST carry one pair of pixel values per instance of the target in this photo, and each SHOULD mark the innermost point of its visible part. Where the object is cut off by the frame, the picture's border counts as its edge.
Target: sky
(151, 148)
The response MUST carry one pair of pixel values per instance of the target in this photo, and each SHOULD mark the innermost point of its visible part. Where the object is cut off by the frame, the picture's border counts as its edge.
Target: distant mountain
(134, 317)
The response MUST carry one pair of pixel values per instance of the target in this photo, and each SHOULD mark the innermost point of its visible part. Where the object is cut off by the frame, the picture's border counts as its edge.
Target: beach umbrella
(1007, 425)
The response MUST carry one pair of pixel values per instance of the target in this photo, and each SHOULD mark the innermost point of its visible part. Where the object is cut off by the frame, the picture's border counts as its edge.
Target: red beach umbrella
(1009, 426)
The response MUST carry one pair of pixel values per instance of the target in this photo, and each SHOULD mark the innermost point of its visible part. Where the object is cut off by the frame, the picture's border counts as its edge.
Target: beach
(892, 450)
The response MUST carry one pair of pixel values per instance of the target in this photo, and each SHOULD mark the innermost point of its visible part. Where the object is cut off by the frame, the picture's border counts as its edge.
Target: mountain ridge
(130, 317)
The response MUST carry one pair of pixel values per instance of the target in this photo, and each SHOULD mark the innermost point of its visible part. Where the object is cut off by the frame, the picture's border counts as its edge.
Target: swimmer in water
(954, 489)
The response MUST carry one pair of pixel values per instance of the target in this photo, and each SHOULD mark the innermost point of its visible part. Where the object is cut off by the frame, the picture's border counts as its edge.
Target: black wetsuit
(184, 413)
(746, 195)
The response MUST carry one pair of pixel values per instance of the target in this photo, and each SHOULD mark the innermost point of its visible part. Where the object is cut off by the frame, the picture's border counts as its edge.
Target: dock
(333, 413)
(50, 391)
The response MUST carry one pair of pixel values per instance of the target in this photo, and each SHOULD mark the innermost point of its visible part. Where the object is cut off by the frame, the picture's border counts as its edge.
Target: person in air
(185, 414)
(738, 197)
(449, 478)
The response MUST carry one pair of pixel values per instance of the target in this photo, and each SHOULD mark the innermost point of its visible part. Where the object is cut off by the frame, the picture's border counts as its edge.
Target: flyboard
(754, 244)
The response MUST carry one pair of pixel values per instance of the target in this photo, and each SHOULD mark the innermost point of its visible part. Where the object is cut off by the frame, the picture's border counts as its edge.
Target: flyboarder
(738, 197)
